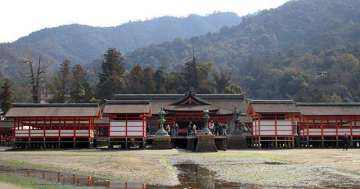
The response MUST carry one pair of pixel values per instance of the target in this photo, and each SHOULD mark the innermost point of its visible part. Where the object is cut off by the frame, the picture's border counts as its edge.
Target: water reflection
(191, 176)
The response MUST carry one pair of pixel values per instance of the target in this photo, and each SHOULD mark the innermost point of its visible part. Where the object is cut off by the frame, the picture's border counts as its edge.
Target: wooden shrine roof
(224, 102)
(329, 109)
(273, 106)
(53, 110)
(191, 108)
(126, 106)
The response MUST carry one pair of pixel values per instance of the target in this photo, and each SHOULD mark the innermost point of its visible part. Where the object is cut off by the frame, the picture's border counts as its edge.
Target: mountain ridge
(83, 44)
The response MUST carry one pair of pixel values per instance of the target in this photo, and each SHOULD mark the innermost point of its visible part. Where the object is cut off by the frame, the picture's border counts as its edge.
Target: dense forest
(70, 83)
(307, 50)
(82, 44)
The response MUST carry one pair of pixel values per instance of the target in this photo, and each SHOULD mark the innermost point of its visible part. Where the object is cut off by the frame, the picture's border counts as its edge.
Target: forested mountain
(306, 49)
(82, 44)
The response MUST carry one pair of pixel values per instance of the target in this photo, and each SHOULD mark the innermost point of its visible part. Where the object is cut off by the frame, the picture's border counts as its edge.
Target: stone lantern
(206, 117)
(162, 139)
(161, 131)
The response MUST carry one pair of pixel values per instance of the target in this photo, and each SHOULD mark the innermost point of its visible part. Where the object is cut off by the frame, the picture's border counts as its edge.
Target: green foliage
(190, 75)
(221, 81)
(84, 43)
(6, 96)
(70, 85)
(307, 50)
(149, 82)
(60, 86)
(135, 80)
(111, 79)
(80, 90)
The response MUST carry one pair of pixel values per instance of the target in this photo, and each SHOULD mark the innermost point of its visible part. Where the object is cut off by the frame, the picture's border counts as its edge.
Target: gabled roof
(173, 97)
(329, 109)
(53, 110)
(273, 106)
(190, 98)
(226, 102)
(191, 108)
(126, 106)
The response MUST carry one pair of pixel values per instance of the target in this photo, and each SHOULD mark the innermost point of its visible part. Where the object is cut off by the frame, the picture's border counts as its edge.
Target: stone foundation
(237, 142)
(162, 142)
(206, 143)
(221, 143)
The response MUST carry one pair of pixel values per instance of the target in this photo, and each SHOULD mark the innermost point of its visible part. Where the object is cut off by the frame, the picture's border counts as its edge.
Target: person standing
(189, 128)
(211, 126)
(194, 129)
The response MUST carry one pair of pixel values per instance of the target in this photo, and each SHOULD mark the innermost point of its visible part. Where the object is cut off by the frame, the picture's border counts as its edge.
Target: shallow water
(191, 176)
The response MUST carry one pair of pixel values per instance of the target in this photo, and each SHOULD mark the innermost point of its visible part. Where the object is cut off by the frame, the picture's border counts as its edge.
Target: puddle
(195, 176)
(191, 176)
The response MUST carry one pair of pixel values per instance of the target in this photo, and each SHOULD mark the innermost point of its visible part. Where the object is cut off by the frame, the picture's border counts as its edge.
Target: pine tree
(190, 75)
(135, 80)
(160, 80)
(149, 82)
(60, 87)
(80, 90)
(6, 96)
(111, 79)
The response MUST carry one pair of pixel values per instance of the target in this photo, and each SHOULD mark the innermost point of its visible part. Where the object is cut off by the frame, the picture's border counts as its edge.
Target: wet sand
(287, 168)
(9, 186)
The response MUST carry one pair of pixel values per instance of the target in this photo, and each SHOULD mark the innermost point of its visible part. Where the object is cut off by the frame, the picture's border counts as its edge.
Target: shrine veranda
(131, 120)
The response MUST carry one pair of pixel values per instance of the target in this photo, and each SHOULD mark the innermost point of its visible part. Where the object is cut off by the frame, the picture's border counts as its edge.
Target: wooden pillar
(294, 128)
(89, 129)
(13, 134)
(351, 132)
(29, 135)
(276, 133)
(259, 131)
(322, 132)
(337, 132)
(308, 134)
(44, 130)
(74, 124)
(126, 131)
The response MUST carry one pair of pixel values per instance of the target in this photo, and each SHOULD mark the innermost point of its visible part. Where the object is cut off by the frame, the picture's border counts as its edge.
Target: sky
(21, 17)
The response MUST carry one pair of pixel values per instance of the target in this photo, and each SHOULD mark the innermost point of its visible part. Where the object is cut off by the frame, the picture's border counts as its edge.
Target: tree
(222, 80)
(111, 79)
(80, 90)
(190, 74)
(203, 77)
(149, 82)
(6, 96)
(35, 79)
(233, 89)
(60, 87)
(160, 80)
(135, 80)
(175, 83)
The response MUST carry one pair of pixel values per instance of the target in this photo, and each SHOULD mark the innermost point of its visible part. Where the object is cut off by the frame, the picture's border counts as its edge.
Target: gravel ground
(279, 168)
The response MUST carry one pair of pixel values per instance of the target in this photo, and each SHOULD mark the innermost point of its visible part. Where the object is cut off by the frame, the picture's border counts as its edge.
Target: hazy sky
(20, 17)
